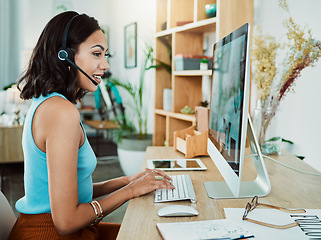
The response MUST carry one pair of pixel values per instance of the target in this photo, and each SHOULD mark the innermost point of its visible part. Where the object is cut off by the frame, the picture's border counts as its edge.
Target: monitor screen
(226, 111)
(229, 122)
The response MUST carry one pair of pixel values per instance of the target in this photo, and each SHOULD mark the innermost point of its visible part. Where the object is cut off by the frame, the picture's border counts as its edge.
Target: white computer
(229, 121)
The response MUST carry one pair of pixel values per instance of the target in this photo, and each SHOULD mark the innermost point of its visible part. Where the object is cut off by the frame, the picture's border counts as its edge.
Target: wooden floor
(11, 180)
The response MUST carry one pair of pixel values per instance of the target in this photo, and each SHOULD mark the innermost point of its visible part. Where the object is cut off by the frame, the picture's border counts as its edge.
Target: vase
(131, 152)
(167, 99)
(267, 136)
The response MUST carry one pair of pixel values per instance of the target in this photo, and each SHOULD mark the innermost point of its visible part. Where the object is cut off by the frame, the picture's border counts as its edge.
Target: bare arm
(59, 134)
(62, 137)
(103, 188)
(109, 186)
(139, 184)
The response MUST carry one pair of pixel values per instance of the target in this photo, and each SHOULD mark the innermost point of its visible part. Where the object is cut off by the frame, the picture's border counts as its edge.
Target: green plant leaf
(274, 139)
(287, 141)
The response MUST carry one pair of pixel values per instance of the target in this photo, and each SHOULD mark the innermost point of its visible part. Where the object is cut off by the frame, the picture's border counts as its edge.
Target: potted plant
(132, 141)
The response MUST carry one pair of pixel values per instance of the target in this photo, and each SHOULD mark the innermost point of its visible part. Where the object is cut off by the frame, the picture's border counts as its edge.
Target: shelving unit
(188, 39)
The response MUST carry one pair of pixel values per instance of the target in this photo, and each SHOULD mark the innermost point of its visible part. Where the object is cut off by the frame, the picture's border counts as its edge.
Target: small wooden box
(191, 142)
(202, 118)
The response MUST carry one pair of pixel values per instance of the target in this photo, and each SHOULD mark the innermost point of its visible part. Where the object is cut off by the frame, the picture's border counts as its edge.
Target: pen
(243, 237)
(228, 238)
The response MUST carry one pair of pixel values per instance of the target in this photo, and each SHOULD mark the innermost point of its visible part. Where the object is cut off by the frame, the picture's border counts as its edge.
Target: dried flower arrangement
(272, 85)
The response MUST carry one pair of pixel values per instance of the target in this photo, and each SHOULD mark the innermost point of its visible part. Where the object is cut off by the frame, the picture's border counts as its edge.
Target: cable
(284, 165)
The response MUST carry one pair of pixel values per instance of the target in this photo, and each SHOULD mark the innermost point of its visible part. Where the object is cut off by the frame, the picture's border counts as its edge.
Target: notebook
(210, 229)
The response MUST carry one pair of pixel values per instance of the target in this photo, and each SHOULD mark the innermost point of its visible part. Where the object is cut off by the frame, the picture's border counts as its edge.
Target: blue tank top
(36, 199)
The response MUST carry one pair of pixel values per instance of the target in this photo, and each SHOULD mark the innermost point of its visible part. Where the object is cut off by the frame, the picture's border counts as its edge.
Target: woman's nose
(104, 65)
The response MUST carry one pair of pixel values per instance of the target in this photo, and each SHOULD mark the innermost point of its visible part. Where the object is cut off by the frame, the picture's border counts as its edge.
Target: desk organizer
(191, 142)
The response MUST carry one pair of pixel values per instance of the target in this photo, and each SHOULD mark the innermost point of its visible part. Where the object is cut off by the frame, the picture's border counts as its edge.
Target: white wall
(10, 40)
(37, 13)
(120, 14)
(299, 116)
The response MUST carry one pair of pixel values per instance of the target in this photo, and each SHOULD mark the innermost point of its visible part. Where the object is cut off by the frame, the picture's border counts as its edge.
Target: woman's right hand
(148, 181)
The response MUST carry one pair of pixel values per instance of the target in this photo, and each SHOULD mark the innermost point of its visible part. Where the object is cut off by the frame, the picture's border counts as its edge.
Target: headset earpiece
(65, 53)
(62, 54)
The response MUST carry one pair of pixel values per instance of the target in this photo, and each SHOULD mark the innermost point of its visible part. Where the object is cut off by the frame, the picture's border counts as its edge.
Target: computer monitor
(229, 121)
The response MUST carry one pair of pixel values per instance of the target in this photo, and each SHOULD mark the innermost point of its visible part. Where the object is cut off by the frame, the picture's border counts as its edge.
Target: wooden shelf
(188, 39)
(181, 116)
(162, 112)
(203, 26)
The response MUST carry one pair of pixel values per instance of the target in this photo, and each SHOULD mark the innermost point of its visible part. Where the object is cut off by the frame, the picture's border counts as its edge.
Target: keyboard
(184, 190)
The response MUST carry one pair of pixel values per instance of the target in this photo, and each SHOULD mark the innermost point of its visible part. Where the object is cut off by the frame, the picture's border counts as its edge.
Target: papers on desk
(233, 226)
(280, 218)
(211, 229)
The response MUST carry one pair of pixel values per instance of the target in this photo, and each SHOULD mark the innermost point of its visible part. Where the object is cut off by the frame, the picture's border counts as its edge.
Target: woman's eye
(107, 55)
(97, 54)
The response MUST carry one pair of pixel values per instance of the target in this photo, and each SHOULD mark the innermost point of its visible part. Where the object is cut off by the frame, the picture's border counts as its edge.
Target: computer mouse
(177, 211)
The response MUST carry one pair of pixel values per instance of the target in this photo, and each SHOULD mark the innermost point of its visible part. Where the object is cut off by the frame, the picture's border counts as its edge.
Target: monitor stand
(261, 186)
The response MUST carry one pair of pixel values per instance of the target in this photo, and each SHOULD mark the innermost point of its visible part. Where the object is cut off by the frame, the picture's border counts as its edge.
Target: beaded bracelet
(99, 216)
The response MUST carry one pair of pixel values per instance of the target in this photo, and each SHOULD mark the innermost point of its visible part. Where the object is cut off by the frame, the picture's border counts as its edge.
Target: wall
(37, 13)
(10, 41)
(122, 13)
(299, 115)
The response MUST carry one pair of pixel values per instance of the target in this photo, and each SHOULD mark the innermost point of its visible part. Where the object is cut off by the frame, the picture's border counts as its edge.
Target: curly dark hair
(45, 72)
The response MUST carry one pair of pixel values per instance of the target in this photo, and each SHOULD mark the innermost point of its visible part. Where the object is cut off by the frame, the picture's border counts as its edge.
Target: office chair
(7, 217)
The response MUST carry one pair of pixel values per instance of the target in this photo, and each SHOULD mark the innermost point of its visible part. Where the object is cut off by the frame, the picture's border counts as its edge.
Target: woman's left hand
(147, 171)
(147, 181)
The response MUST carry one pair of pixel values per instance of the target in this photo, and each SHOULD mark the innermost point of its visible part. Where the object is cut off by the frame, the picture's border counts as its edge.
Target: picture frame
(131, 45)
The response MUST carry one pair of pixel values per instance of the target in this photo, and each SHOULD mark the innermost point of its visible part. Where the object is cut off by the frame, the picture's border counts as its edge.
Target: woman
(68, 60)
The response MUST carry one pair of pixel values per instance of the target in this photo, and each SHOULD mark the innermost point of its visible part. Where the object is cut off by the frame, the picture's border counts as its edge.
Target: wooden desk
(289, 189)
(107, 126)
(10, 144)
(102, 125)
(99, 125)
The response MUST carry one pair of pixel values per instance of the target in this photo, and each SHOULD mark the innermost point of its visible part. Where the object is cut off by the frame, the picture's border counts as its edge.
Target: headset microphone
(65, 54)
(82, 71)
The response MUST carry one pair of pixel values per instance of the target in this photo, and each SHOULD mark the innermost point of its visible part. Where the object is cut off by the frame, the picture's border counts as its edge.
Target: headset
(65, 53)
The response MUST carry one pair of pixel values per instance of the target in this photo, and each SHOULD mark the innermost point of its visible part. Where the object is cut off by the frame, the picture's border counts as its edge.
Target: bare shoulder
(54, 118)
(57, 109)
